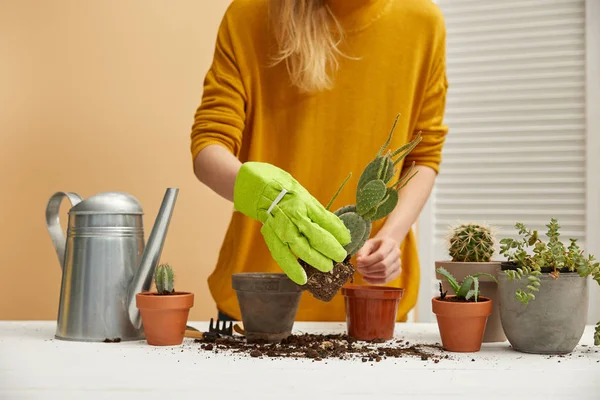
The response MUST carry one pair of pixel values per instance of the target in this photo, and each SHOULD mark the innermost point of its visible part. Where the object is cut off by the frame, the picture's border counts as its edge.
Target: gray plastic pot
(487, 287)
(554, 322)
(268, 303)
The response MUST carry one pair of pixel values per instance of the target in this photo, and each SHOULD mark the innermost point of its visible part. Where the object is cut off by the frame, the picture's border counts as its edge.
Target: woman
(311, 88)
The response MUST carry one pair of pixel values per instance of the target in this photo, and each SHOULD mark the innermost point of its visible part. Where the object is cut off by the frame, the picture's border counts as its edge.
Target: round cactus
(471, 243)
(164, 279)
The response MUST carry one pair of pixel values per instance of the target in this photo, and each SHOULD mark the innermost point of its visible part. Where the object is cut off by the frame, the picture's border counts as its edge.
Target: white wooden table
(34, 365)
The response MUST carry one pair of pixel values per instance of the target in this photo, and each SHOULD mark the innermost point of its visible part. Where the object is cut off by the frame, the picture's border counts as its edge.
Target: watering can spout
(143, 277)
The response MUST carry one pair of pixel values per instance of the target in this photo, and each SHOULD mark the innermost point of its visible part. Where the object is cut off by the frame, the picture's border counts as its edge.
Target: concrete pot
(487, 287)
(554, 322)
(268, 303)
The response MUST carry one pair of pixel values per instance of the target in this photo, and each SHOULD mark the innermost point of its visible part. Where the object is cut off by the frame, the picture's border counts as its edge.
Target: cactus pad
(360, 228)
(370, 196)
(370, 173)
(471, 243)
(387, 205)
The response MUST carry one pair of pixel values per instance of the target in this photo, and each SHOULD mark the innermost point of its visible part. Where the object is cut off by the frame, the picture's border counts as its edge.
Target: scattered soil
(325, 285)
(321, 347)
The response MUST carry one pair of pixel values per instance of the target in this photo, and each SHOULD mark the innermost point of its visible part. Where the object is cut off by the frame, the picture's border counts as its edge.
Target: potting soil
(321, 347)
(325, 285)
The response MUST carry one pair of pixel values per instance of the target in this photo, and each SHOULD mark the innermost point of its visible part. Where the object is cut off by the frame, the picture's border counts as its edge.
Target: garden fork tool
(219, 329)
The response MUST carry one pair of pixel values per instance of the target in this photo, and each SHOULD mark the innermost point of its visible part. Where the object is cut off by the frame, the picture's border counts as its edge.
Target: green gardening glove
(295, 224)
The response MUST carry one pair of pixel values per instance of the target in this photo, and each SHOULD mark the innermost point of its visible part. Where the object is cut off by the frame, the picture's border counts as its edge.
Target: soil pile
(321, 347)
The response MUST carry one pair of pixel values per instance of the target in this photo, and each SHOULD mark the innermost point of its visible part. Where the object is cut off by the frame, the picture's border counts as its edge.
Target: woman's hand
(379, 260)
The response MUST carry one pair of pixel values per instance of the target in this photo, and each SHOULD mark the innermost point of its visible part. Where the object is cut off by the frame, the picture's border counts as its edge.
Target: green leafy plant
(471, 243)
(164, 279)
(552, 256)
(467, 290)
(376, 196)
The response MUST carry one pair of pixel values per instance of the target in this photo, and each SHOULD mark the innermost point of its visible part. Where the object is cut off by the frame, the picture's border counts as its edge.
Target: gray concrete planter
(487, 287)
(554, 322)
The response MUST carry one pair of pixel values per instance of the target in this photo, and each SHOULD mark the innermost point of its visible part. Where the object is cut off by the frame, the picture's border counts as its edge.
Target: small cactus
(471, 243)
(164, 279)
(374, 198)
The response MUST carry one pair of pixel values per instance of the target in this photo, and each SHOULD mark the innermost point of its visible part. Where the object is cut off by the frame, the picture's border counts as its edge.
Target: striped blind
(516, 113)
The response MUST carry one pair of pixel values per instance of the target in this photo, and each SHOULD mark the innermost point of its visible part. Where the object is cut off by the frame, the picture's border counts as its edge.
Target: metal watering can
(104, 263)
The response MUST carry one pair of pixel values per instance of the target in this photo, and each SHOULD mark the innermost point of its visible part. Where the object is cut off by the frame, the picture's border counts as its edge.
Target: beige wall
(99, 96)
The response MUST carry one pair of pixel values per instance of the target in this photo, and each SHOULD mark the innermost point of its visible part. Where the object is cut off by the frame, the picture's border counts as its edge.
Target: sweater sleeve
(430, 120)
(220, 118)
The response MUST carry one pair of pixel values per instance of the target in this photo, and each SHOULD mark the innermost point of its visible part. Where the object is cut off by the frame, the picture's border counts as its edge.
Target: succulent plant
(164, 279)
(376, 198)
(463, 290)
(471, 243)
(552, 255)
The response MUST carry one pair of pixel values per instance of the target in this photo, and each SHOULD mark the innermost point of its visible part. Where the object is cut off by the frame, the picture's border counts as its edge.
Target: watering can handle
(53, 221)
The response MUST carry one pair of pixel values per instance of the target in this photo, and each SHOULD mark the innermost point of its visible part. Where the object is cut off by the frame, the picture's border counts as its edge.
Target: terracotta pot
(487, 287)
(164, 317)
(462, 324)
(371, 311)
(268, 303)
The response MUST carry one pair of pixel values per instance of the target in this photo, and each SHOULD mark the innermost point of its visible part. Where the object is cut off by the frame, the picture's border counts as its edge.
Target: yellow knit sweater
(252, 109)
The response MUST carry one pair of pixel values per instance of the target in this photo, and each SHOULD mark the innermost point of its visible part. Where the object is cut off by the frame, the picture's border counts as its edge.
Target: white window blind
(516, 113)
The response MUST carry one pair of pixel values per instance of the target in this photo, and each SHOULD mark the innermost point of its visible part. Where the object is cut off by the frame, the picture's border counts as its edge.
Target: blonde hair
(306, 42)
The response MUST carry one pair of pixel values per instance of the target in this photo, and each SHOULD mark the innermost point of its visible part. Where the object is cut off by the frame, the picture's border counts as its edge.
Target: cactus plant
(164, 279)
(471, 243)
(376, 198)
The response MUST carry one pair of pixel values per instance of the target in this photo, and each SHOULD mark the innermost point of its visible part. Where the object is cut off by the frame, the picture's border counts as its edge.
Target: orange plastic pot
(164, 317)
(462, 324)
(371, 311)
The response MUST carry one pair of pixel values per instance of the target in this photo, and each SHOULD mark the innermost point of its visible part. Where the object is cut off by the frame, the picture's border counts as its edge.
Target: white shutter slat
(501, 140)
(515, 148)
(516, 159)
(511, 36)
(513, 191)
(530, 66)
(481, 130)
(491, 90)
(549, 24)
(516, 114)
(478, 7)
(536, 56)
(525, 13)
(535, 170)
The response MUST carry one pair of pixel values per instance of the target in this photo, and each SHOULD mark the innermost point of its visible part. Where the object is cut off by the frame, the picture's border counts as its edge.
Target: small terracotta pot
(164, 317)
(462, 324)
(371, 311)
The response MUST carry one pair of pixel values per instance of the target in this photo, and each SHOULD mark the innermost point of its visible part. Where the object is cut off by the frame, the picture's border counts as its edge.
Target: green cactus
(164, 279)
(471, 243)
(374, 198)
